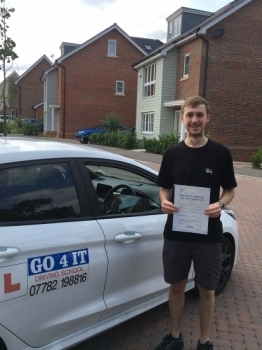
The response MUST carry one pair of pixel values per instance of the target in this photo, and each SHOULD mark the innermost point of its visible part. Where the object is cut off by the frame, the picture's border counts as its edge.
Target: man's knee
(178, 287)
(205, 292)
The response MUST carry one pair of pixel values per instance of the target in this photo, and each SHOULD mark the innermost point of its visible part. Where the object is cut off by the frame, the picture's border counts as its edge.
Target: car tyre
(84, 140)
(228, 255)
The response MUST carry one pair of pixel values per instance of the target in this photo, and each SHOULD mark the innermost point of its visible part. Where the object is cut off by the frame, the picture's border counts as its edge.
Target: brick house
(29, 90)
(93, 79)
(214, 55)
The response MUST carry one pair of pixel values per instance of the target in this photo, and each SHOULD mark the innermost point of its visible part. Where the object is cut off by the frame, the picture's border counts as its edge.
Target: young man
(198, 162)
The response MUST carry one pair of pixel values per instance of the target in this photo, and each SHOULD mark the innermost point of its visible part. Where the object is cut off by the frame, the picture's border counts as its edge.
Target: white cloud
(98, 3)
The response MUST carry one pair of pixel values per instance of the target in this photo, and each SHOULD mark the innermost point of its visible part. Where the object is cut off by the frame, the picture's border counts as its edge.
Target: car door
(131, 218)
(52, 258)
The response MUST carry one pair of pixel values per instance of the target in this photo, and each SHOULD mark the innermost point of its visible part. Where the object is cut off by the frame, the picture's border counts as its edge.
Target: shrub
(127, 140)
(12, 128)
(152, 145)
(111, 139)
(256, 159)
(30, 129)
(115, 139)
(112, 122)
(160, 145)
(208, 134)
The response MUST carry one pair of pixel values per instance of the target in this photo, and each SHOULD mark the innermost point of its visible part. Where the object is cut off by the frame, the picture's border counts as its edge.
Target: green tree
(11, 94)
(7, 54)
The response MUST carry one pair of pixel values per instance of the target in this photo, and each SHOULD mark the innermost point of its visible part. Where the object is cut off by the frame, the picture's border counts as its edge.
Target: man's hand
(168, 207)
(214, 210)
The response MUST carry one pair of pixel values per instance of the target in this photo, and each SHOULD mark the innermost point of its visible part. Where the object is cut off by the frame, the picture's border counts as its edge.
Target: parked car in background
(9, 118)
(83, 134)
(132, 129)
(81, 243)
(34, 122)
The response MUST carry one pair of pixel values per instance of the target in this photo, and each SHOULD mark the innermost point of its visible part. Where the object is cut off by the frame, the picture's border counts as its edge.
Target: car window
(122, 191)
(38, 192)
(102, 127)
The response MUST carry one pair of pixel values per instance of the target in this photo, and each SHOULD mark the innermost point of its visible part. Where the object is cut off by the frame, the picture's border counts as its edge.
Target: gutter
(163, 51)
(19, 87)
(206, 61)
(64, 97)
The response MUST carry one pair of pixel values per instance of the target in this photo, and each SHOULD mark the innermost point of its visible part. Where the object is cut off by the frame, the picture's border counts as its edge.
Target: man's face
(195, 120)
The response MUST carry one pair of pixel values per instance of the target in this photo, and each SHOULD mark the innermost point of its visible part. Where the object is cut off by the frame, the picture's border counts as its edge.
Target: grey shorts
(207, 259)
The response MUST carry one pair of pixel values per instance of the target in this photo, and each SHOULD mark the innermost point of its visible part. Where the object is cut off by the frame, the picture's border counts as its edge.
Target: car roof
(16, 149)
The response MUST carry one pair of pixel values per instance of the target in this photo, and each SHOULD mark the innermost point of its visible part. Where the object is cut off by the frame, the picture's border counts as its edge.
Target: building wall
(168, 92)
(189, 86)
(30, 91)
(50, 88)
(150, 103)
(90, 85)
(233, 81)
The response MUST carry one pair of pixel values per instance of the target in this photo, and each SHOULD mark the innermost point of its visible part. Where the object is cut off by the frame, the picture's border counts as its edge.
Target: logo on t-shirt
(208, 171)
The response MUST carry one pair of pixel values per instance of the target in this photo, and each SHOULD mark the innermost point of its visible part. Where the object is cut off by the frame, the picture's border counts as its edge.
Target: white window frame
(150, 80)
(174, 27)
(13, 112)
(111, 49)
(186, 65)
(148, 123)
(177, 122)
(121, 84)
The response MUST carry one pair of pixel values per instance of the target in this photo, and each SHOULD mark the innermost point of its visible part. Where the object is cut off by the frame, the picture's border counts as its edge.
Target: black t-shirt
(209, 166)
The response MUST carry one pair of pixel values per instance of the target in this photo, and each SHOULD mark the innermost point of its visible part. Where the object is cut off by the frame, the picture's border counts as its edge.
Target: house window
(120, 87)
(186, 65)
(111, 47)
(174, 27)
(148, 46)
(13, 112)
(148, 122)
(150, 80)
(177, 122)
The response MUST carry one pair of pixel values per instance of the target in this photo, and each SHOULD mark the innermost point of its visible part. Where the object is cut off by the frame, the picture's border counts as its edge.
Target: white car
(9, 118)
(81, 243)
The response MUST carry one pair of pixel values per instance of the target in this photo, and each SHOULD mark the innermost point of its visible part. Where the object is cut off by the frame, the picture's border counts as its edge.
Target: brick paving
(238, 313)
(237, 321)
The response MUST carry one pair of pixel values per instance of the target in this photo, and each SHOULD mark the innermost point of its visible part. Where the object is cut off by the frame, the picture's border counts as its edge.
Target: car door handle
(127, 237)
(7, 253)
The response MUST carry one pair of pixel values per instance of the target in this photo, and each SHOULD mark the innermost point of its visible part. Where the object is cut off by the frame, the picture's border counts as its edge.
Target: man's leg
(176, 306)
(206, 312)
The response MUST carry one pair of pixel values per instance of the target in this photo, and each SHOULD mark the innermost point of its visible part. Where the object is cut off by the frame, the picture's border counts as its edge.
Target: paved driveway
(238, 313)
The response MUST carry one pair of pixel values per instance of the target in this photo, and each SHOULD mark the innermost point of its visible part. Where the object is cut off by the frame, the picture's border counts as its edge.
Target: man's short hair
(195, 101)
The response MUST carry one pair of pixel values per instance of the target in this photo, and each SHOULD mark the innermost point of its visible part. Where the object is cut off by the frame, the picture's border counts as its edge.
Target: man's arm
(167, 206)
(214, 209)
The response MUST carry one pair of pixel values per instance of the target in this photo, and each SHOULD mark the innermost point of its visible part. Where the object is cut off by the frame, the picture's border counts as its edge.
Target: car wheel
(83, 139)
(228, 255)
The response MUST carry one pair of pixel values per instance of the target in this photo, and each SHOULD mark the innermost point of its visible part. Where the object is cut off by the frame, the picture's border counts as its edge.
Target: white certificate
(191, 202)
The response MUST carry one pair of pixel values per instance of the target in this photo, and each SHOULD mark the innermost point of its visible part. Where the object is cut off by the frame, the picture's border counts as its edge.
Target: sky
(38, 27)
